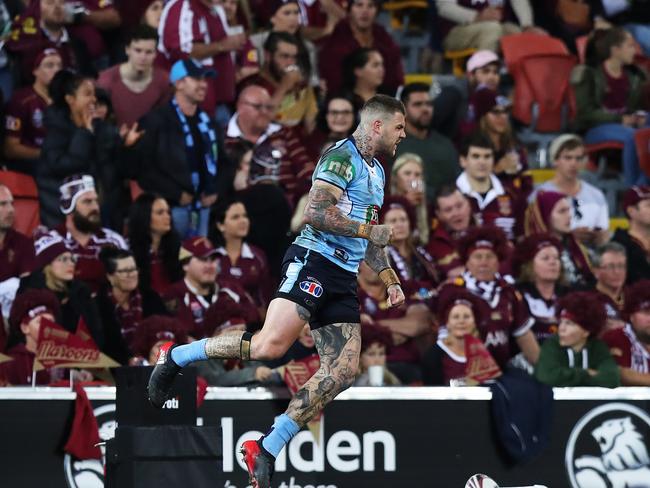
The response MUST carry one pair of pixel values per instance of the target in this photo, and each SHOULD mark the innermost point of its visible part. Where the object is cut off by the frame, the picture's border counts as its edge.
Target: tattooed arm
(377, 259)
(322, 213)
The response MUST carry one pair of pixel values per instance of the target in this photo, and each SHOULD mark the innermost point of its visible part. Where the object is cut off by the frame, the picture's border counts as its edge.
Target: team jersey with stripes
(363, 194)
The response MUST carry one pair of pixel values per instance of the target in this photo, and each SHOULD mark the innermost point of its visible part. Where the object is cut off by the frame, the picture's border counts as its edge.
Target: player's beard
(89, 224)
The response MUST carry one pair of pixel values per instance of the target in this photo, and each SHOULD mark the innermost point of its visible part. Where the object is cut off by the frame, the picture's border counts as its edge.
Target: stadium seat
(544, 109)
(545, 112)
(405, 25)
(618, 223)
(517, 46)
(541, 175)
(23, 188)
(642, 140)
(458, 60)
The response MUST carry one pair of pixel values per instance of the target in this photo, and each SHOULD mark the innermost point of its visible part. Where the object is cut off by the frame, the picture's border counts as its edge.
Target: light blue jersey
(363, 195)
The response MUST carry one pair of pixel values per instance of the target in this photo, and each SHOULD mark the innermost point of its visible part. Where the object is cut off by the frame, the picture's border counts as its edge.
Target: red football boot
(259, 462)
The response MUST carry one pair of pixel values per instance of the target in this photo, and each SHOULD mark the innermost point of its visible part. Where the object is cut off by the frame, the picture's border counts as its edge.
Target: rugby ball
(481, 481)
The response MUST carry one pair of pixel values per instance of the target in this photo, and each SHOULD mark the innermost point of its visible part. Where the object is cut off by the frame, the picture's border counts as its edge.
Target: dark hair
(413, 88)
(275, 38)
(445, 190)
(610, 38)
(271, 45)
(476, 139)
(569, 145)
(65, 82)
(237, 149)
(352, 2)
(109, 255)
(356, 59)
(140, 241)
(321, 119)
(219, 216)
(142, 32)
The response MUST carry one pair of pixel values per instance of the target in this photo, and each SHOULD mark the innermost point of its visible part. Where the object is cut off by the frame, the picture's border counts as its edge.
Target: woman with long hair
(407, 181)
(239, 260)
(363, 74)
(550, 212)
(122, 305)
(54, 270)
(336, 120)
(154, 242)
(411, 261)
(76, 142)
(538, 270)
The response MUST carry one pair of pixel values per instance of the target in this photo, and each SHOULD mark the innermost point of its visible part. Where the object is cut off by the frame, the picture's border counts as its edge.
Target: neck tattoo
(364, 145)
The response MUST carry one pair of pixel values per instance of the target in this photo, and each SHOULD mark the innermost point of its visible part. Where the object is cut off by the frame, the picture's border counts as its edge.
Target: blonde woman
(407, 181)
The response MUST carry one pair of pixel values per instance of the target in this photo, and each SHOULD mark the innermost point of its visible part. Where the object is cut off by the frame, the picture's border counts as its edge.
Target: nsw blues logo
(312, 288)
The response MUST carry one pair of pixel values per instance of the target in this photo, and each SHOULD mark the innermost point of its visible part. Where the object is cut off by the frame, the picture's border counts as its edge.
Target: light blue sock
(188, 353)
(283, 430)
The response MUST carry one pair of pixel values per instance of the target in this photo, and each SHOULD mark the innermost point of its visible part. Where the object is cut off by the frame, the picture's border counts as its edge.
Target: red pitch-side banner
(61, 348)
(295, 374)
(480, 366)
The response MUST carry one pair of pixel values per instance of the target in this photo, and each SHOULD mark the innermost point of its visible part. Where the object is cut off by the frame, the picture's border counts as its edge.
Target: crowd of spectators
(172, 145)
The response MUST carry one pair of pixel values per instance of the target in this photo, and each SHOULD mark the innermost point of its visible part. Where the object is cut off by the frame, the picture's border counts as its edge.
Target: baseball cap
(196, 247)
(191, 68)
(480, 59)
(634, 195)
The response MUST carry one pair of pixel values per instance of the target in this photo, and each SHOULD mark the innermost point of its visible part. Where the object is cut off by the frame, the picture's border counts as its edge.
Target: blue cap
(189, 67)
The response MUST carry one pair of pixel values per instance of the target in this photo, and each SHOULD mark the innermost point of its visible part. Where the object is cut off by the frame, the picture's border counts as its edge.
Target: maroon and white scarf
(639, 355)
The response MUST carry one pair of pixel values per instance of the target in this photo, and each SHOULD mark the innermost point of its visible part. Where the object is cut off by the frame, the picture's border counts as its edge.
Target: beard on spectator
(421, 123)
(88, 224)
(276, 72)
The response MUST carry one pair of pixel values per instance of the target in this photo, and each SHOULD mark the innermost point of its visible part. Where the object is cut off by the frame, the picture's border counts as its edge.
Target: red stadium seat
(23, 188)
(543, 95)
(517, 46)
(642, 140)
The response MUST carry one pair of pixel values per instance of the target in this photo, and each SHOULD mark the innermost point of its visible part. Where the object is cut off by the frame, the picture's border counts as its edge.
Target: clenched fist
(395, 296)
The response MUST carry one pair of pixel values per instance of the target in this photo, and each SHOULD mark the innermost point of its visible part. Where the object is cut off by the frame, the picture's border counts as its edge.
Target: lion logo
(618, 456)
(89, 473)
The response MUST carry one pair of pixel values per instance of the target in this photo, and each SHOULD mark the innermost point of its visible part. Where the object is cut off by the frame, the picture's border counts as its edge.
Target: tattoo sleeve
(321, 212)
(376, 258)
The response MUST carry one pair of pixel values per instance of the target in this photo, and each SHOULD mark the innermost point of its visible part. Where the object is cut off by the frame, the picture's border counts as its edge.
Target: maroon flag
(480, 365)
(61, 348)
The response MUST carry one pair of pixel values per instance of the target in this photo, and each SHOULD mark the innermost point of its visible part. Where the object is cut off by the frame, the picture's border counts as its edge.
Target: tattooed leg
(338, 346)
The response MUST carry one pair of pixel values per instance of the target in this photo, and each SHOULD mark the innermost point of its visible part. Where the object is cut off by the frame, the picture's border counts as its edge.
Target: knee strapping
(245, 346)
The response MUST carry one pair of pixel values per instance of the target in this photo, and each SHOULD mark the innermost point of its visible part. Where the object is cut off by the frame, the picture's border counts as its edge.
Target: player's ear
(377, 125)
